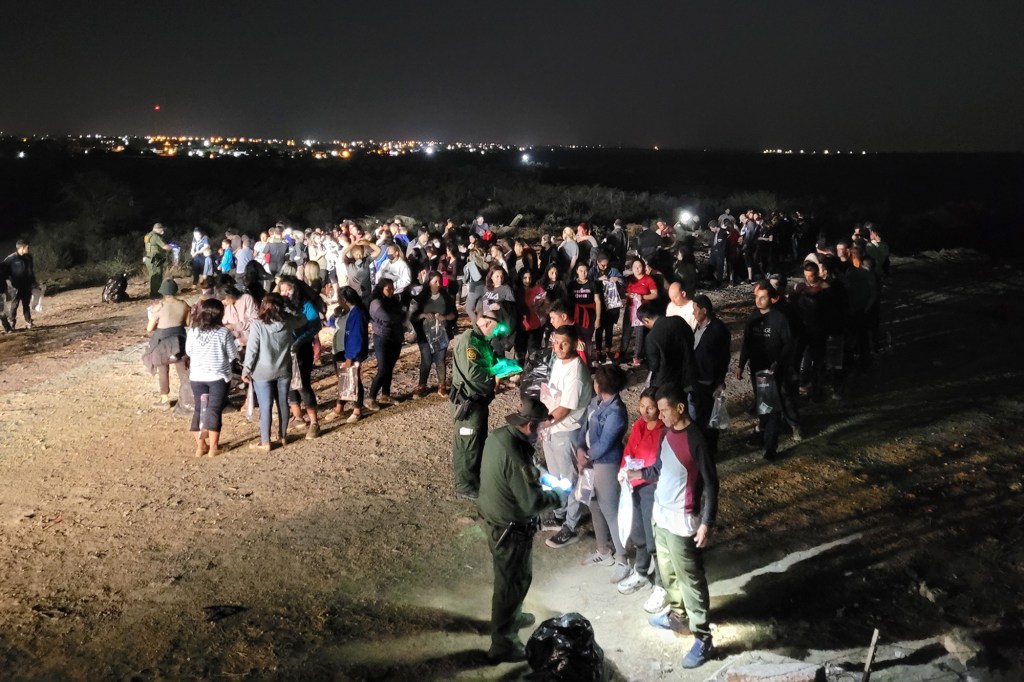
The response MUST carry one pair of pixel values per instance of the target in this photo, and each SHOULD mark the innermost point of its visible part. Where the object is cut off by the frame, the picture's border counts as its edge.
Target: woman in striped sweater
(211, 349)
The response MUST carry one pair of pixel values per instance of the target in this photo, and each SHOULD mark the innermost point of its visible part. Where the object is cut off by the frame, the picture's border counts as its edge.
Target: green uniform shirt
(472, 360)
(154, 245)
(509, 482)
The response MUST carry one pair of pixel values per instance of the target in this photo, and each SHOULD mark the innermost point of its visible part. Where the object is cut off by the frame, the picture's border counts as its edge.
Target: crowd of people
(576, 313)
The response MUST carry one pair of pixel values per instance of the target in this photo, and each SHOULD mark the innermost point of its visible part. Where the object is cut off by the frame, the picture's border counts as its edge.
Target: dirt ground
(349, 558)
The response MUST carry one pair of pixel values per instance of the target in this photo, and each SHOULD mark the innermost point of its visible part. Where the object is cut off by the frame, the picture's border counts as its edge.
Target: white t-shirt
(684, 311)
(569, 386)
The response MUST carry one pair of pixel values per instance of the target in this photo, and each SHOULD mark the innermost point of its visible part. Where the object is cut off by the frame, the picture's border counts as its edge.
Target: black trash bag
(767, 392)
(116, 289)
(563, 649)
(536, 371)
(186, 399)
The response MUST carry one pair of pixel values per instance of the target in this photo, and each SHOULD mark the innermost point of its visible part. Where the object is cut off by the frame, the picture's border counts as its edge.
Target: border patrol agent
(511, 500)
(472, 393)
(154, 258)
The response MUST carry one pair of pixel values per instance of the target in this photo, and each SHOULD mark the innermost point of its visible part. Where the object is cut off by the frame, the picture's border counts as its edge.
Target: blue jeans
(267, 394)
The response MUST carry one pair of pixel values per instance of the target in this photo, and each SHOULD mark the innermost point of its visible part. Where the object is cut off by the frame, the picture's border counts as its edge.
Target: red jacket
(643, 444)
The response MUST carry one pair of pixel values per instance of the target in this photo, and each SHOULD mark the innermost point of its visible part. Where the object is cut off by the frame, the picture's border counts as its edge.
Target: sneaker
(313, 431)
(419, 392)
(657, 602)
(700, 653)
(563, 538)
(262, 448)
(598, 559)
(797, 434)
(162, 405)
(297, 423)
(669, 621)
(515, 654)
(384, 399)
(549, 523)
(467, 494)
(352, 418)
(620, 572)
(371, 405)
(633, 582)
(29, 325)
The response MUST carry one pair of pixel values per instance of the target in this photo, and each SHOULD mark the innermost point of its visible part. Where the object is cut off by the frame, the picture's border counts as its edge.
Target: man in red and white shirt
(685, 504)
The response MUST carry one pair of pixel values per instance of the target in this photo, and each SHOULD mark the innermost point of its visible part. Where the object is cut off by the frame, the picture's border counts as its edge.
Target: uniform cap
(532, 410)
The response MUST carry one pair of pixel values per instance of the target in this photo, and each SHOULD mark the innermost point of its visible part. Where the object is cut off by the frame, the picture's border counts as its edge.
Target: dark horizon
(880, 76)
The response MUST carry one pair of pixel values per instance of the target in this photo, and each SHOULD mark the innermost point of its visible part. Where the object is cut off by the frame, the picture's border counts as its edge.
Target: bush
(69, 255)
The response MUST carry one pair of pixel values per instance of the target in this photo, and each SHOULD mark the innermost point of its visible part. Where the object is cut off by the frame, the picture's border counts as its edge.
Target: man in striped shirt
(685, 503)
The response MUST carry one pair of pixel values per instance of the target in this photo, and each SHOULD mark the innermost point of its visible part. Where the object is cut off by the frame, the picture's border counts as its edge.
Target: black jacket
(669, 347)
(767, 340)
(711, 355)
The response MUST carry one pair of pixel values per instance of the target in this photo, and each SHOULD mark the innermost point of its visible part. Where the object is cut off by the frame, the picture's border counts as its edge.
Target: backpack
(17, 268)
(116, 289)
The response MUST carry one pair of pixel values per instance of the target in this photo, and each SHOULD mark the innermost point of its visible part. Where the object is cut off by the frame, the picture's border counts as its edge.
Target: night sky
(890, 75)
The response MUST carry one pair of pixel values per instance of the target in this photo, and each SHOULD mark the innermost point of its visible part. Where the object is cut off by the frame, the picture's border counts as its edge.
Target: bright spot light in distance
(685, 217)
(525, 158)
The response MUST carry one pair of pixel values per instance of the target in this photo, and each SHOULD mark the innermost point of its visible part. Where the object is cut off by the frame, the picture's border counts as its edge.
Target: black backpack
(116, 289)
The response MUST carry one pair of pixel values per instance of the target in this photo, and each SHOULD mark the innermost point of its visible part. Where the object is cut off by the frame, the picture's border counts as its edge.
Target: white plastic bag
(37, 298)
(625, 517)
(348, 378)
(585, 486)
(296, 381)
(719, 414)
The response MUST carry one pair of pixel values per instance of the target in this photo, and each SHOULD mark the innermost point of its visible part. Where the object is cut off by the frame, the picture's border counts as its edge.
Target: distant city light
(525, 158)
(21, 155)
(429, 151)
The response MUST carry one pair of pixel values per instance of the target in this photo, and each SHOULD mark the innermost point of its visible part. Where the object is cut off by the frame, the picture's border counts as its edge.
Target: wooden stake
(871, 657)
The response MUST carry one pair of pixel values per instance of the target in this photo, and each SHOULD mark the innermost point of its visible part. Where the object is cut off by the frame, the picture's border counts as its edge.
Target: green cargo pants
(682, 571)
(155, 272)
(468, 438)
(513, 573)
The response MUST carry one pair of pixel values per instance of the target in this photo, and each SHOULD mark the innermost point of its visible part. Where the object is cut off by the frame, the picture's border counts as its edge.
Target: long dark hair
(271, 308)
(211, 314)
(378, 289)
(351, 296)
(425, 293)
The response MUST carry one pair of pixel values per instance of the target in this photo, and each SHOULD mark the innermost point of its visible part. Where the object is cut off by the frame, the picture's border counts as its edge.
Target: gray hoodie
(268, 353)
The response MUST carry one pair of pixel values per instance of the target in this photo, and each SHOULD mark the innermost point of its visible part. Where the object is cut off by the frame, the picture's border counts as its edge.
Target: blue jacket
(606, 424)
(306, 333)
(356, 341)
